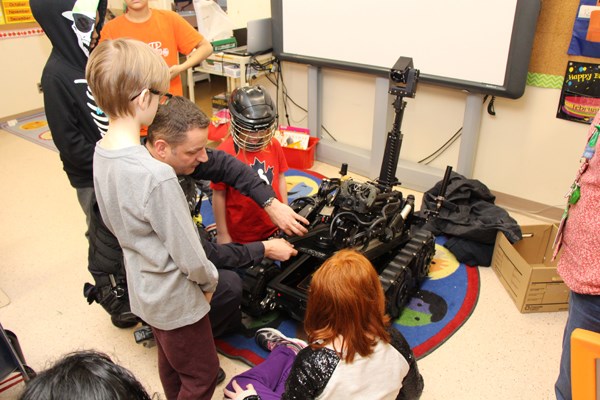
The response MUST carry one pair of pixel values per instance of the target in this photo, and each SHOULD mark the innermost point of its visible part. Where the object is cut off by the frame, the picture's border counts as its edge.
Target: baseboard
(528, 207)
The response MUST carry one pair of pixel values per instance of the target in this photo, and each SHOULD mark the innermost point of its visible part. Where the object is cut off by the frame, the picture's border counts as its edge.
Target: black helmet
(253, 117)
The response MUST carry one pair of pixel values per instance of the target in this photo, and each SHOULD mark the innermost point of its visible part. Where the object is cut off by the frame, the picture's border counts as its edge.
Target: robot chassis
(370, 217)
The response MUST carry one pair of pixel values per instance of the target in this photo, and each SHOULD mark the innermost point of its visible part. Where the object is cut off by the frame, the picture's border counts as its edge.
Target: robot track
(404, 273)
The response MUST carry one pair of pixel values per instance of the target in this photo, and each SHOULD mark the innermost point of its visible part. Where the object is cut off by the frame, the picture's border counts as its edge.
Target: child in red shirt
(253, 120)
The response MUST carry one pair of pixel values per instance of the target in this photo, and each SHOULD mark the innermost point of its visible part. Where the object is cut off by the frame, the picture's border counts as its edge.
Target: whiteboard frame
(517, 58)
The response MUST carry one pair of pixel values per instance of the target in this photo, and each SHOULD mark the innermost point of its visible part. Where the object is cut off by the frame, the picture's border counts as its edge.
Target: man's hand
(286, 219)
(279, 249)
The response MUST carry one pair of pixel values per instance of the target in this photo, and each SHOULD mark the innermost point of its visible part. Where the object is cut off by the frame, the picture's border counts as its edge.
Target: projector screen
(481, 46)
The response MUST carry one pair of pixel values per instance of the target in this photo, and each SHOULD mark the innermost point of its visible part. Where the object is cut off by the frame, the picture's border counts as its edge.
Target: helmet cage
(252, 139)
(253, 118)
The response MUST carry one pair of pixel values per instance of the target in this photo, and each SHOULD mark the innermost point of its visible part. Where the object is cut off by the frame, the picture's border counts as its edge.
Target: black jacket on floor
(469, 214)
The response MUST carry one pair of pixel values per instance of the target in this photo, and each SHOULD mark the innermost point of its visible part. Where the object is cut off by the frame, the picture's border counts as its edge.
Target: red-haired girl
(353, 351)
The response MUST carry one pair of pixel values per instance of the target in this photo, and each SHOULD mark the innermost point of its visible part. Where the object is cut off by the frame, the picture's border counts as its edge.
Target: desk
(221, 59)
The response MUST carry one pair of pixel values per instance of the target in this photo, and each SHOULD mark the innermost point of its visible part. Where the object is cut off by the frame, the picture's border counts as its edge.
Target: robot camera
(403, 78)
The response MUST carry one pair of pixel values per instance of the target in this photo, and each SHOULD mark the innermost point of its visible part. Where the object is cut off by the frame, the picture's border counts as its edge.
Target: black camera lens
(397, 76)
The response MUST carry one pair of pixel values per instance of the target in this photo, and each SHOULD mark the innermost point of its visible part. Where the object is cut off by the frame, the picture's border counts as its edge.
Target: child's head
(346, 299)
(122, 71)
(253, 117)
(85, 375)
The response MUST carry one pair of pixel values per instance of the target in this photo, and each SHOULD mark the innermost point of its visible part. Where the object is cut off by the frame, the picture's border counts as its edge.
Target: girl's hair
(85, 375)
(119, 70)
(346, 300)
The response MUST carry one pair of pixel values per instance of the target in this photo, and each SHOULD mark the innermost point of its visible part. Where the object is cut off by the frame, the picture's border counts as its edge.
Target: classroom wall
(240, 11)
(23, 61)
(523, 151)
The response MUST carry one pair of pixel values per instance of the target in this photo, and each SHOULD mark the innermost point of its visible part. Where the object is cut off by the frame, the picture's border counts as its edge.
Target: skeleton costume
(77, 124)
(74, 119)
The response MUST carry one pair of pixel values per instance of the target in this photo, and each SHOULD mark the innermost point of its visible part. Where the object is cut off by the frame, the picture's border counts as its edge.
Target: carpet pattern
(33, 127)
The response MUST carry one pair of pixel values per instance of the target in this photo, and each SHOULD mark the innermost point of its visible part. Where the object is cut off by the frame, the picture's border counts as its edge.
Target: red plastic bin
(301, 159)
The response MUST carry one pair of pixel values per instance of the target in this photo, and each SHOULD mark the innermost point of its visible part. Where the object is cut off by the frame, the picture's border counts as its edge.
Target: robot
(371, 217)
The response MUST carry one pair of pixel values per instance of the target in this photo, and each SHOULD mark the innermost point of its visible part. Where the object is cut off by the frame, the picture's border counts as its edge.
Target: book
(292, 137)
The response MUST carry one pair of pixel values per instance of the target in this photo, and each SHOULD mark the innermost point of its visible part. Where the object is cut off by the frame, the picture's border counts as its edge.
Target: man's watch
(268, 202)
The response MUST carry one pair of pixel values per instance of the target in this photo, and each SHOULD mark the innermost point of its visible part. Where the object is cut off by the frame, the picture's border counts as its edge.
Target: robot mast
(403, 82)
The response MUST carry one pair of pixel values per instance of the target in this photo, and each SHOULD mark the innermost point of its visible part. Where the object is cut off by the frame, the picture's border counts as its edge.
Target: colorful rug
(33, 127)
(441, 306)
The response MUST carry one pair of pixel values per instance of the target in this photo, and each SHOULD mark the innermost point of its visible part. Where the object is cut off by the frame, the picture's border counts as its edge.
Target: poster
(580, 95)
(585, 40)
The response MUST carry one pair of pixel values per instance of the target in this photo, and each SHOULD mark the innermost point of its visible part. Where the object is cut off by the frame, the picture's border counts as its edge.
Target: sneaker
(220, 376)
(124, 320)
(269, 338)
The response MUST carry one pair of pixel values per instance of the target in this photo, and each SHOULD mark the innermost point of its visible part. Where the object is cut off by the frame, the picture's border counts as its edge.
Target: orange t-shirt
(166, 32)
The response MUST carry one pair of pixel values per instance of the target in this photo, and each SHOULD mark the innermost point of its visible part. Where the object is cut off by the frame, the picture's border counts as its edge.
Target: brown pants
(187, 361)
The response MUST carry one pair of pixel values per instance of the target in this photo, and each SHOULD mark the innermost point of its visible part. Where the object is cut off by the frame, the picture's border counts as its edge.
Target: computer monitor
(241, 36)
(259, 36)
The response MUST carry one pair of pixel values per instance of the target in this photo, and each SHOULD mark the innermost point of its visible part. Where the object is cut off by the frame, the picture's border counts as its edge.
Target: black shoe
(124, 320)
(220, 376)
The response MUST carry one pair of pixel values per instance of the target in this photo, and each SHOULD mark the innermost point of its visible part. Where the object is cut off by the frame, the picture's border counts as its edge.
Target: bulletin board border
(547, 81)
(20, 33)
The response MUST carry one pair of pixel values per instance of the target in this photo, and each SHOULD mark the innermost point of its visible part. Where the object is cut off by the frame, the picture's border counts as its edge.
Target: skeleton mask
(83, 17)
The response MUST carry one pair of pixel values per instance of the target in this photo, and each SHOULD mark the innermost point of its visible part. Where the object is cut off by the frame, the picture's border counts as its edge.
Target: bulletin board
(552, 37)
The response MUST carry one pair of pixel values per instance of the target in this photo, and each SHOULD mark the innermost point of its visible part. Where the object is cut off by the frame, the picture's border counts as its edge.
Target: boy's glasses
(164, 97)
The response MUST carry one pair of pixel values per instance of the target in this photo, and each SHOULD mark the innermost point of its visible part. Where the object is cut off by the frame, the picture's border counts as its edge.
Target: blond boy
(170, 280)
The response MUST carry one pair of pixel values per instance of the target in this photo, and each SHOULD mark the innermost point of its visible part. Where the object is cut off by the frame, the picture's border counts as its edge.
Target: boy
(166, 32)
(253, 120)
(170, 280)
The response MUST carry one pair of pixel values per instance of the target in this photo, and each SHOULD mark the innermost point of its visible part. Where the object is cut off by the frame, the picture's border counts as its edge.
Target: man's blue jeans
(584, 312)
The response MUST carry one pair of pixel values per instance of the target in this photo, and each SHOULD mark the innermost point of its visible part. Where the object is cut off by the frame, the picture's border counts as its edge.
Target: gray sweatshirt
(143, 205)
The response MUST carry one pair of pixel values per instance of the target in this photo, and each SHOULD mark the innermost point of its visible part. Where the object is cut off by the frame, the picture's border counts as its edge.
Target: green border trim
(545, 80)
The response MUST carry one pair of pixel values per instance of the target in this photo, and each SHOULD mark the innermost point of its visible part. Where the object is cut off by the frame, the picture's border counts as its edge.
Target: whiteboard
(481, 46)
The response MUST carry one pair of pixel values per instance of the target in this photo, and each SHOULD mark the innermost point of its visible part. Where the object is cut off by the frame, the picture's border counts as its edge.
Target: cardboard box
(526, 271)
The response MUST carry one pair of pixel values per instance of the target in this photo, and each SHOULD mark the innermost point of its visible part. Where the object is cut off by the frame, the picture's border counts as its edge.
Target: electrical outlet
(39, 87)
